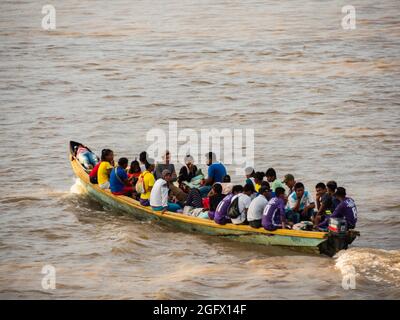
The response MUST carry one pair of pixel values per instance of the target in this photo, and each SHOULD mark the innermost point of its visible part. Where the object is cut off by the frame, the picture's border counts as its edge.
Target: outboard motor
(337, 226)
(338, 237)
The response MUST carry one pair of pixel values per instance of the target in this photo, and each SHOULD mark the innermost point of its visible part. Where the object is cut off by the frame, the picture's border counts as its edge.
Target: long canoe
(314, 241)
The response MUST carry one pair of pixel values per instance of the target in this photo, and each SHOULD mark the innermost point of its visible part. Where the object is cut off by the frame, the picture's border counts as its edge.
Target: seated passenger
(145, 183)
(188, 171)
(346, 209)
(159, 194)
(86, 157)
(120, 184)
(258, 180)
(134, 171)
(270, 174)
(249, 173)
(290, 182)
(105, 167)
(165, 165)
(300, 205)
(324, 203)
(216, 173)
(274, 213)
(94, 171)
(243, 203)
(227, 185)
(215, 197)
(143, 160)
(332, 186)
(221, 211)
(257, 206)
(193, 202)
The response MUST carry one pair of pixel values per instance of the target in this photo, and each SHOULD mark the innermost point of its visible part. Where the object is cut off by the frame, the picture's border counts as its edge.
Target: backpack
(233, 211)
(140, 187)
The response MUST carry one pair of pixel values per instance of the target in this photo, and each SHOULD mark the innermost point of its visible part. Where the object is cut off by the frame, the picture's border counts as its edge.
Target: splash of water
(77, 187)
(376, 265)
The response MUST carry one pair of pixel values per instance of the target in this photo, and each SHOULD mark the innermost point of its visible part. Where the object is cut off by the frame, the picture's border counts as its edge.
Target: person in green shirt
(273, 181)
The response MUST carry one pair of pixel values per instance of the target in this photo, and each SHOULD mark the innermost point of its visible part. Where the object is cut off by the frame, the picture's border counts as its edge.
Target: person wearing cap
(290, 182)
(249, 173)
(165, 165)
(148, 180)
(188, 171)
(347, 210)
(159, 194)
(257, 206)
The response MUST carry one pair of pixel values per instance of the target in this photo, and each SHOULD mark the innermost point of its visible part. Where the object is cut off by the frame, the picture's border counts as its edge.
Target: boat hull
(288, 238)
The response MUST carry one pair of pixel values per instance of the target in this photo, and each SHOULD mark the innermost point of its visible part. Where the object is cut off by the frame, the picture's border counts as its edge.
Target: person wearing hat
(257, 206)
(290, 182)
(188, 171)
(249, 173)
(159, 194)
(347, 210)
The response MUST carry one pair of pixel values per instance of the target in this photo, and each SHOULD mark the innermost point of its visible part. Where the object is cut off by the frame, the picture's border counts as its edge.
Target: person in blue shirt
(120, 184)
(216, 173)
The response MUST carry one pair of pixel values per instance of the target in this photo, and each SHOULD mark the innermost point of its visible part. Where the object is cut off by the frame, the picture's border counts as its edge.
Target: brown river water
(324, 103)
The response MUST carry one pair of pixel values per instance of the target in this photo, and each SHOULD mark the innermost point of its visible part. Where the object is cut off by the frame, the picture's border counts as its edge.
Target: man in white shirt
(257, 206)
(244, 200)
(159, 194)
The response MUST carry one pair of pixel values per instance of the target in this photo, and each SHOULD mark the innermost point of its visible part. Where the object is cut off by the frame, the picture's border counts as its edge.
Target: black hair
(249, 187)
(270, 173)
(320, 185)
(265, 184)
(123, 161)
(217, 187)
(105, 153)
(263, 189)
(147, 165)
(135, 167)
(227, 178)
(341, 192)
(331, 185)
(143, 157)
(279, 191)
(259, 175)
(237, 188)
(298, 185)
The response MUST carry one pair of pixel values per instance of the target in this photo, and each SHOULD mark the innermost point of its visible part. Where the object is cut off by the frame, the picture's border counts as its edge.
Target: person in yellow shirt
(148, 182)
(106, 165)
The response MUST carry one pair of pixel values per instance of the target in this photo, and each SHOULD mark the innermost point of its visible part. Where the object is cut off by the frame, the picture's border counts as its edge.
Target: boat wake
(77, 187)
(371, 265)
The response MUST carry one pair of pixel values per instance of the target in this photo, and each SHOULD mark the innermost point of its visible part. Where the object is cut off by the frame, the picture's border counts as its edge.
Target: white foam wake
(77, 187)
(382, 266)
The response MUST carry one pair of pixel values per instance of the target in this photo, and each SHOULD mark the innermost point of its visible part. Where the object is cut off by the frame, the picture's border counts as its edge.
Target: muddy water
(324, 103)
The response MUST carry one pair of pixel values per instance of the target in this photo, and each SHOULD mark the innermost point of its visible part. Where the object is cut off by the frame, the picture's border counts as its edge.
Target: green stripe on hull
(242, 236)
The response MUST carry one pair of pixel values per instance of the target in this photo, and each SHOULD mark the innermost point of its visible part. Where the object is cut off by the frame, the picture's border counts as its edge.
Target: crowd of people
(262, 201)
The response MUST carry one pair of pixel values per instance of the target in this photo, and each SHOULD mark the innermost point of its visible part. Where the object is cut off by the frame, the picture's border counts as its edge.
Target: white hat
(188, 159)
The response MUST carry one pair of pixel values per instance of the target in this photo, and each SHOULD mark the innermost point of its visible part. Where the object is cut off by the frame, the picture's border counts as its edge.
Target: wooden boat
(324, 242)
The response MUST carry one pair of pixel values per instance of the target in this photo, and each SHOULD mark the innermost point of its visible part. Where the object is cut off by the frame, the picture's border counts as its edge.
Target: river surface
(324, 103)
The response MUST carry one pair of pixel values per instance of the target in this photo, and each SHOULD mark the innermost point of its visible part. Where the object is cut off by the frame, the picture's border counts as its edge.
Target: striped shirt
(194, 199)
